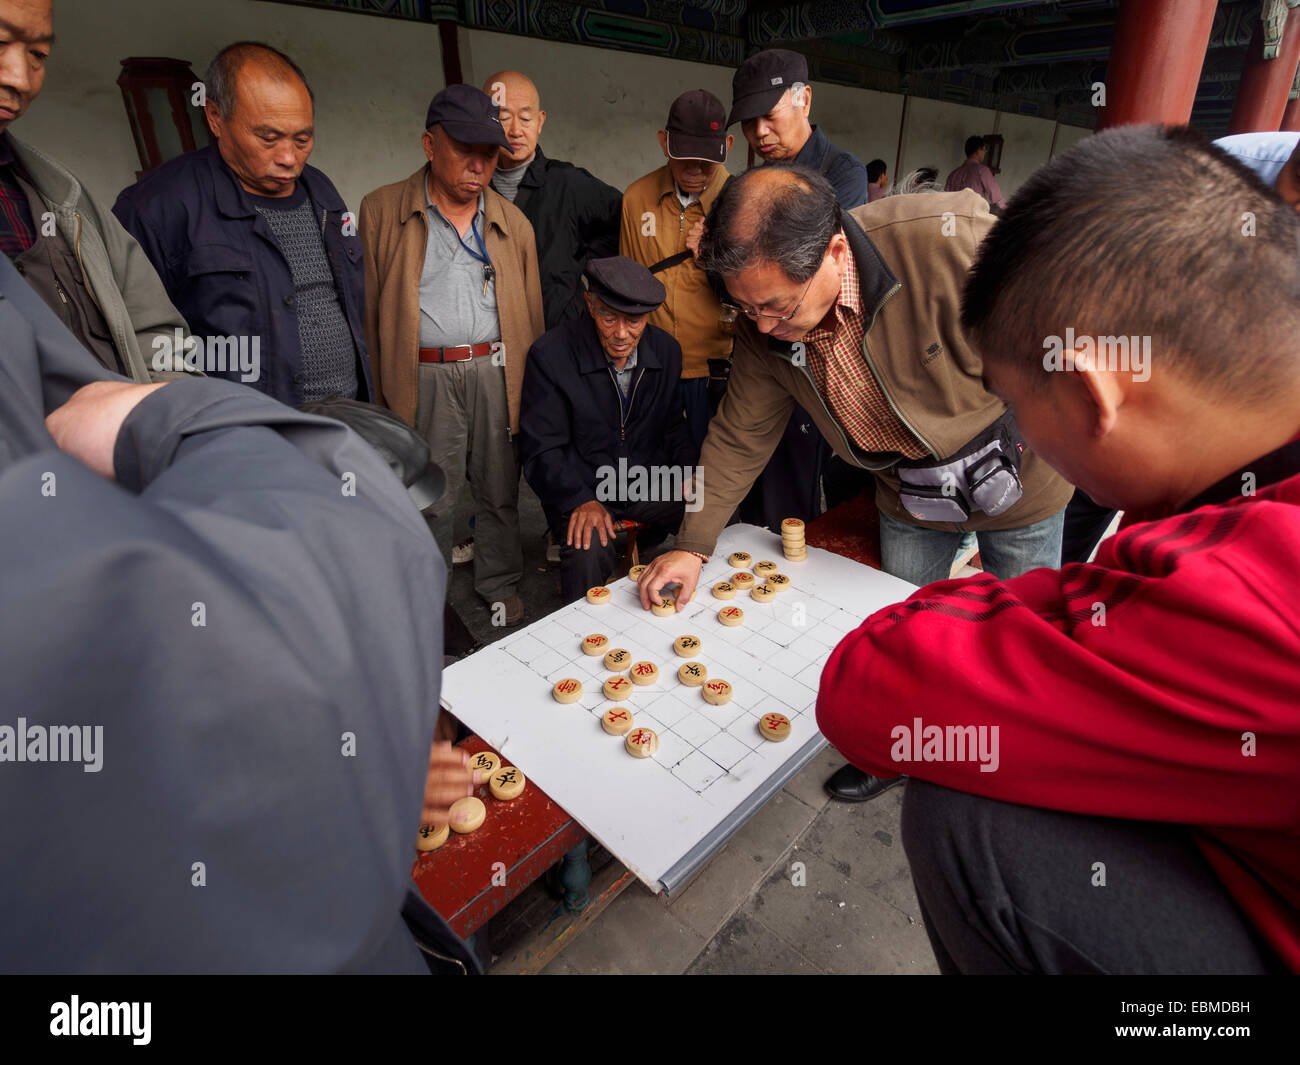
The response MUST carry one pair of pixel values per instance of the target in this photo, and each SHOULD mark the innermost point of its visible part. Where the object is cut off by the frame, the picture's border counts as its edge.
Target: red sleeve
(1122, 689)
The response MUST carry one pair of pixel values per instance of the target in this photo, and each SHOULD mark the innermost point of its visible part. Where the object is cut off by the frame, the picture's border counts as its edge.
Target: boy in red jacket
(1106, 758)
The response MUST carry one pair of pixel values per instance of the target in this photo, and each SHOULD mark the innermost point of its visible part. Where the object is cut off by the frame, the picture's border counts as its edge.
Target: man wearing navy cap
(663, 213)
(453, 302)
(603, 431)
(771, 99)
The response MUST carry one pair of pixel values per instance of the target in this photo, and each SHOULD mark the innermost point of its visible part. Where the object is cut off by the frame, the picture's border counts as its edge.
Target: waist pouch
(984, 475)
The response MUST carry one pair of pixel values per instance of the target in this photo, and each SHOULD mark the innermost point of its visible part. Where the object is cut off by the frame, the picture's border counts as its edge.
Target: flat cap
(467, 115)
(624, 285)
(760, 81)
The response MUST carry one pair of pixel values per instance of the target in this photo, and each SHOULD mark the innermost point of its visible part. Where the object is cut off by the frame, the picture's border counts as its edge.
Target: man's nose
(286, 155)
(765, 325)
(15, 71)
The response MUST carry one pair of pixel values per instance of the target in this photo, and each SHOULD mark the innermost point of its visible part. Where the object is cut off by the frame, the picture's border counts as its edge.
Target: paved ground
(806, 886)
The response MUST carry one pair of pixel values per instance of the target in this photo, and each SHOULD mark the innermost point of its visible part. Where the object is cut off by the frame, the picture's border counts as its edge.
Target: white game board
(663, 817)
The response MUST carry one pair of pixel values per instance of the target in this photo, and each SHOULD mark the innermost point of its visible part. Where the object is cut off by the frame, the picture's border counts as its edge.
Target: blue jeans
(695, 398)
(921, 555)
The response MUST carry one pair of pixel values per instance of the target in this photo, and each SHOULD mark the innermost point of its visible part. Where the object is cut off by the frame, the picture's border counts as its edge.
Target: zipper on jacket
(77, 216)
(63, 298)
(636, 383)
(880, 383)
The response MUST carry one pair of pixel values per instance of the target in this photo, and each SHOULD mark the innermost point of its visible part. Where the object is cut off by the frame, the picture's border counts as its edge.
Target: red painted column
(1156, 59)
(1266, 83)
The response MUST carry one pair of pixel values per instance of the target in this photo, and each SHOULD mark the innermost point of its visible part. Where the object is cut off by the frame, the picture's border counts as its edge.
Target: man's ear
(663, 141)
(1103, 389)
(541, 121)
(214, 119)
(731, 139)
(427, 142)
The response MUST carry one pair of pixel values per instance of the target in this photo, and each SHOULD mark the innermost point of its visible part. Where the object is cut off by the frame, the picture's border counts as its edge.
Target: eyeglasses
(778, 317)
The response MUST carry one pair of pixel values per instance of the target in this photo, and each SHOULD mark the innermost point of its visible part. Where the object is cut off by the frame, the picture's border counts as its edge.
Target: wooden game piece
(644, 673)
(595, 644)
(485, 761)
(796, 556)
(762, 569)
(506, 784)
(743, 581)
(616, 720)
(665, 608)
(618, 658)
(731, 615)
(779, 581)
(739, 560)
(467, 814)
(618, 687)
(431, 837)
(641, 743)
(568, 690)
(598, 596)
(717, 692)
(635, 572)
(693, 674)
(687, 646)
(764, 593)
(792, 529)
(724, 590)
(774, 727)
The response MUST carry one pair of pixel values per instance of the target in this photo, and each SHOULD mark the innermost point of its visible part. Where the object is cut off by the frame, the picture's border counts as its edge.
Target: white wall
(374, 78)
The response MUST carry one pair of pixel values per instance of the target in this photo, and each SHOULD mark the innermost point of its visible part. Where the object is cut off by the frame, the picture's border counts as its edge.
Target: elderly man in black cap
(771, 99)
(453, 302)
(603, 430)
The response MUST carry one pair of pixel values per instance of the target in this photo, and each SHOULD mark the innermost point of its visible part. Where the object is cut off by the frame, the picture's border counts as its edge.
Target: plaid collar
(849, 301)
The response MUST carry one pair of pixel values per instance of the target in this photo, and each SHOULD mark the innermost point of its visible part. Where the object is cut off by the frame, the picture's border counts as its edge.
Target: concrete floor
(854, 910)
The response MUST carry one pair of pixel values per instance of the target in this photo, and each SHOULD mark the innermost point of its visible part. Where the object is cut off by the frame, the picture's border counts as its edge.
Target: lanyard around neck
(481, 255)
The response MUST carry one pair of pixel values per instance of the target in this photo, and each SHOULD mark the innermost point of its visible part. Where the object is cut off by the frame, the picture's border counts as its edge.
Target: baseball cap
(761, 81)
(468, 115)
(697, 127)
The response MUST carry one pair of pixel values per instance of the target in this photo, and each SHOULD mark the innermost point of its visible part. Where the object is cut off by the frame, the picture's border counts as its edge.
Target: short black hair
(1144, 231)
(875, 168)
(779, 213)
(974, 144)
(223, 72)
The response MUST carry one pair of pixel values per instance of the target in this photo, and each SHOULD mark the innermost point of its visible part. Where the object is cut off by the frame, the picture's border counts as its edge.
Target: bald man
(574, 215)
(256, 248)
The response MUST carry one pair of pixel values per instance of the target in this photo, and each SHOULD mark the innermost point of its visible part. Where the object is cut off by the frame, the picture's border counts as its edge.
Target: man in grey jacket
(220, 691)
(78, 258)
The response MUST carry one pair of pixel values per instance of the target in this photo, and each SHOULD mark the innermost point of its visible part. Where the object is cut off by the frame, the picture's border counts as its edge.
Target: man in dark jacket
(602, 426)
(219, 727)
(574, 215)
(256, 248)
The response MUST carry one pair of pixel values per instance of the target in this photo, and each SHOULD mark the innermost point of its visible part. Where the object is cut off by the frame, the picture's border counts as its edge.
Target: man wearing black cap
(661, 211)
(453, 302)
(603, 434)
(771, 99)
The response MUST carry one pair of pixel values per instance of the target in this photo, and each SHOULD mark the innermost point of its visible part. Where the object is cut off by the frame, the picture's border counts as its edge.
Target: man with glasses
(855, 316)
(661, 215)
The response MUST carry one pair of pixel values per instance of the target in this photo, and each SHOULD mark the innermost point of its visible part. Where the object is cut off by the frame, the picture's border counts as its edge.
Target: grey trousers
(1006, 889)
(463, 413)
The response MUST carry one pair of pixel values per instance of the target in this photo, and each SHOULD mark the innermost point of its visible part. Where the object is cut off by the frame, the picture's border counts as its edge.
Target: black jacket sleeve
(552, 465)
(601, 208)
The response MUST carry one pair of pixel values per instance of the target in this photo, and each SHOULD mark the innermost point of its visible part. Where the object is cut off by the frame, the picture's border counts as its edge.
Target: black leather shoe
(850, 784)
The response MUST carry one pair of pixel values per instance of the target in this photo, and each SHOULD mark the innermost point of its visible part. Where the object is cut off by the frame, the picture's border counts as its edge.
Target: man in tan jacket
(880, 361)
(662, 214)
(453, 303)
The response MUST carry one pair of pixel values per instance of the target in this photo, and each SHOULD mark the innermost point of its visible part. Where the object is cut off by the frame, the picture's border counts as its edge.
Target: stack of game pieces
(792, 541)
